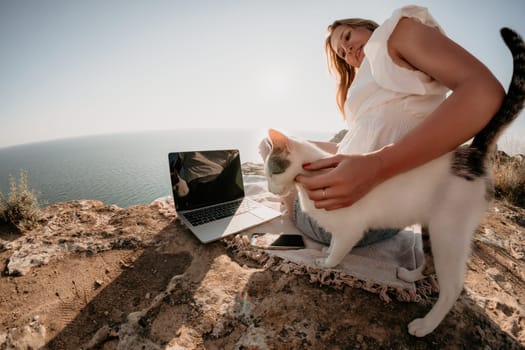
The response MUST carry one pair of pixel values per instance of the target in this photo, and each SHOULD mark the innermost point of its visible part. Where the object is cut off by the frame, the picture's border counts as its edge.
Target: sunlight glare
(273, 83)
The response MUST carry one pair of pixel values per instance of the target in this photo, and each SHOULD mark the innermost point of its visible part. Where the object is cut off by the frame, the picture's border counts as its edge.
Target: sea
(123, 169)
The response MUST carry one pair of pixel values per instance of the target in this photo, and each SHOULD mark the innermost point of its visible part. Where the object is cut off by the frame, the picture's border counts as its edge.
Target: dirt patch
(135, 278)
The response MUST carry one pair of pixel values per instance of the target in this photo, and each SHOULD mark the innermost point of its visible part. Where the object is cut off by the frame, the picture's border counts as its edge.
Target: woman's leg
(310, 228)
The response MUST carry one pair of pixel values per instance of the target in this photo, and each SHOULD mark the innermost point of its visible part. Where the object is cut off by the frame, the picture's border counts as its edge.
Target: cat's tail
(513, 102)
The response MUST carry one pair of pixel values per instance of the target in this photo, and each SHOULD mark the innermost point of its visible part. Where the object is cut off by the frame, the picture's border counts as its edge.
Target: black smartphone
(279, 241)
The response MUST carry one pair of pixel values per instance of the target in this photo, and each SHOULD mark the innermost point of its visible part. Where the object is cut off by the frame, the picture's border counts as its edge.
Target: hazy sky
(81, 67)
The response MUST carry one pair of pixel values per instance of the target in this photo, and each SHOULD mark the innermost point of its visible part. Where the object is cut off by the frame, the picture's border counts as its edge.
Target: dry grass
(21, 207)
(509, 178)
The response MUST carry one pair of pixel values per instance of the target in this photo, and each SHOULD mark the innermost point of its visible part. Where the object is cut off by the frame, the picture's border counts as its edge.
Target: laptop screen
(204, 178)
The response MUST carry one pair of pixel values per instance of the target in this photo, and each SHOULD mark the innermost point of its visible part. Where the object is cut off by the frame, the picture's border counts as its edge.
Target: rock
(162, 289)
(29, 336)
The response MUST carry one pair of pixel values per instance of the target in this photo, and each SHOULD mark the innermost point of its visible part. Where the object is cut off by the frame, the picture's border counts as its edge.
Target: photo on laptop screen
(204, 178)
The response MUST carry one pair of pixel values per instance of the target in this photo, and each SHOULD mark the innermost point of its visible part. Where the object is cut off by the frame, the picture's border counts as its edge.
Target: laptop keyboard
(202, 216)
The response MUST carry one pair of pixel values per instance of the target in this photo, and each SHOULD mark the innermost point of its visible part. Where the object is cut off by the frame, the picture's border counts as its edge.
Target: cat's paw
(321, 262)
(325, 263)
(420, 327)
(409, 275)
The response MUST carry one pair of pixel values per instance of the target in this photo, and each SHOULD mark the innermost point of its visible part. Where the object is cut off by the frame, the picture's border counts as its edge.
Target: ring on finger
(324, 193)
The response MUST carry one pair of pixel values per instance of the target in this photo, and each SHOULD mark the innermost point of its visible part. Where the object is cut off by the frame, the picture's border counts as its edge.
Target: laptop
(208, 192)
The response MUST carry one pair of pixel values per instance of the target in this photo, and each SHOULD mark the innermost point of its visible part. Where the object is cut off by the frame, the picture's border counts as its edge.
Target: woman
(422, 61)
(393, 80)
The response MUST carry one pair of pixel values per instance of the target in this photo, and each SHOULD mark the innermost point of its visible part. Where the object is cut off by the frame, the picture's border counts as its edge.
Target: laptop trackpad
(264, 213)
(245, 220)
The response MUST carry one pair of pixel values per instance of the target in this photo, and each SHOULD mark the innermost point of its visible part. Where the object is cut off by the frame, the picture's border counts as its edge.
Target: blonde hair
(337, 66)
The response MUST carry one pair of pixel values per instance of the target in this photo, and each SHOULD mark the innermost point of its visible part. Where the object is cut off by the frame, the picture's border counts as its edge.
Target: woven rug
(372, 268)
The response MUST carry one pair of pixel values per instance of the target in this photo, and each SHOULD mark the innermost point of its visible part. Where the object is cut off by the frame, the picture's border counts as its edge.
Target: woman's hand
(346, 179)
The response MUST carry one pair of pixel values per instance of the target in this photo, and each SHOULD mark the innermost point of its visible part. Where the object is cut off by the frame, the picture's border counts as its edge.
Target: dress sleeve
(390, 75)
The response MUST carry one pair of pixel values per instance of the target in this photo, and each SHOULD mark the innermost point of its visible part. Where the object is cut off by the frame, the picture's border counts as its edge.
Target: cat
(448, 195)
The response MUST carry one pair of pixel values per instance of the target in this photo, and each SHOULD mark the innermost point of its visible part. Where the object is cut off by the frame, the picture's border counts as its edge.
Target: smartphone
(278, 241)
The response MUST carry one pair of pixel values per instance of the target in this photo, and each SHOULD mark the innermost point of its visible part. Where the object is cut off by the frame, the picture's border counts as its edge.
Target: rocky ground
(93, 276)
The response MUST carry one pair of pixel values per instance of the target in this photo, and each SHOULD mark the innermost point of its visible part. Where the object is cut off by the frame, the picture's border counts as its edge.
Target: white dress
(385, 100)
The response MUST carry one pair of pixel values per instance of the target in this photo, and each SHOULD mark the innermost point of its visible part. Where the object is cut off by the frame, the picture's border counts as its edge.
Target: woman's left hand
(346, 179)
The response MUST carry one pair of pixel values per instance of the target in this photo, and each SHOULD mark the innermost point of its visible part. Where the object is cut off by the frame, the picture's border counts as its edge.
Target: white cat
(448, 195)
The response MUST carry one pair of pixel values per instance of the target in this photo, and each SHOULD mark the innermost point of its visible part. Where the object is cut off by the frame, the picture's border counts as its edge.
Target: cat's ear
(279, 140)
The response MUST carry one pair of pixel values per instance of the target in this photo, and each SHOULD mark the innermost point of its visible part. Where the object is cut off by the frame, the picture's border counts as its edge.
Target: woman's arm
(476, 97)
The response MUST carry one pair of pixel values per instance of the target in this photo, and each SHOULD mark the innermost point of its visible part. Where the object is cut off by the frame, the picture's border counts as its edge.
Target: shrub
(509, 178)
(3, 207)
(21, 207)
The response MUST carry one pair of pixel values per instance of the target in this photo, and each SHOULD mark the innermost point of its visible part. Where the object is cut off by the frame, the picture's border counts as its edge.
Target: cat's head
(284, 161)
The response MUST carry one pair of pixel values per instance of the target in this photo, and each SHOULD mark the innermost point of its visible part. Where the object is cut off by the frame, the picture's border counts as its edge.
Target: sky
(75, 67)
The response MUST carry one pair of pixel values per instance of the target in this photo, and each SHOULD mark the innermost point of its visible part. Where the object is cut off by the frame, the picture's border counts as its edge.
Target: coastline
(98, 276)
(93, 275)
(121, 169)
